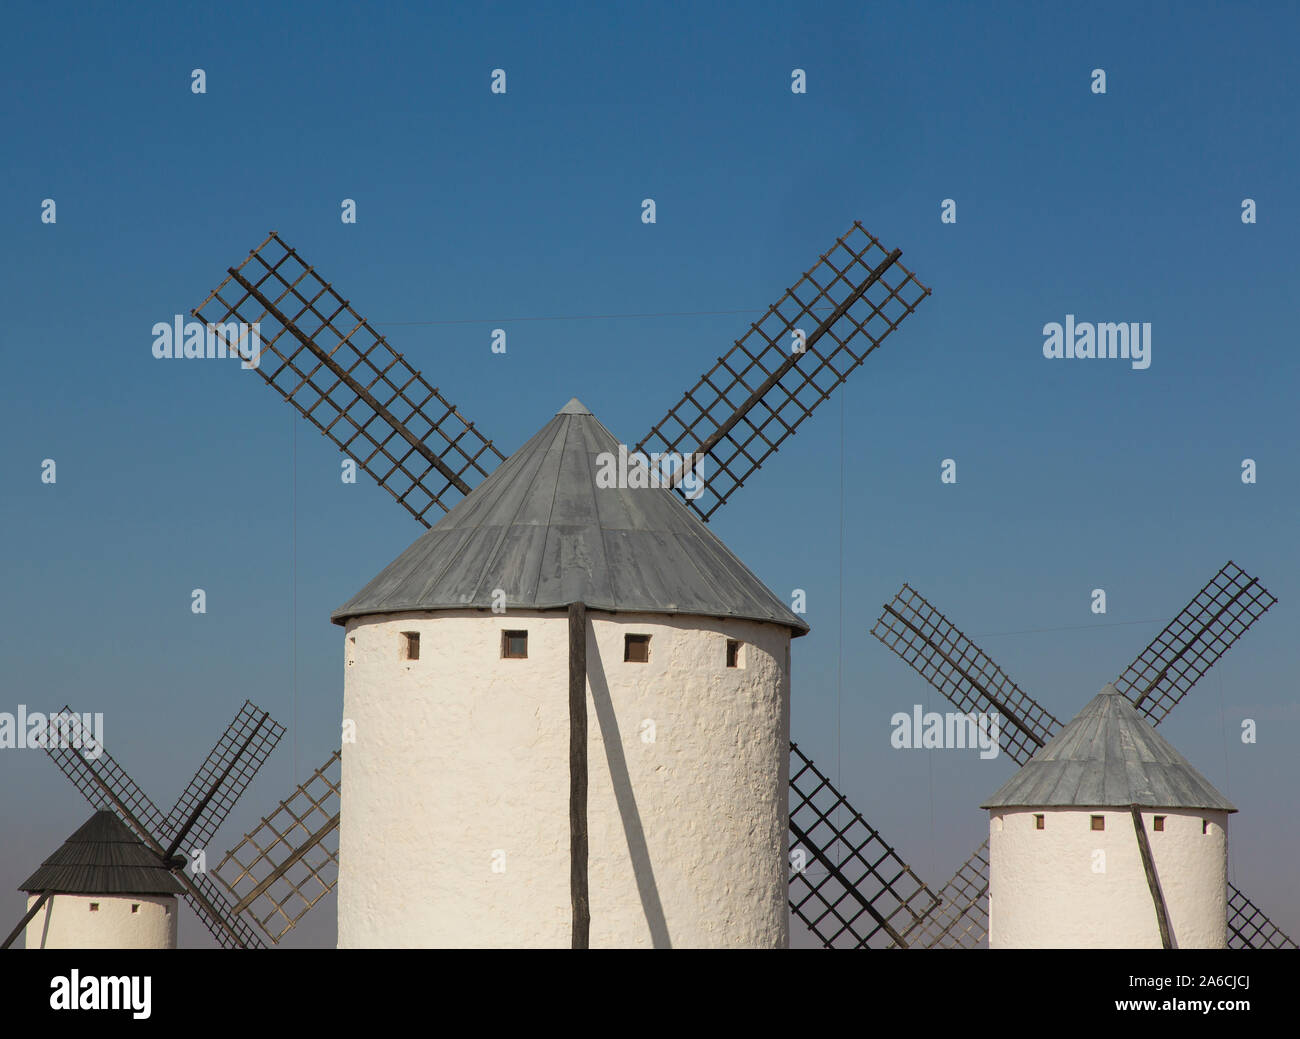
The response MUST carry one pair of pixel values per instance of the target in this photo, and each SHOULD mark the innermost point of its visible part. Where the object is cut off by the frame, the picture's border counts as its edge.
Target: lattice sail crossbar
(1192, 643)
(953, 664)
(744, 407)
(329, 363)
(962, 919)
(104, 783)
(237, 757)
(847, 884)
(277, 873)
(1249, 928)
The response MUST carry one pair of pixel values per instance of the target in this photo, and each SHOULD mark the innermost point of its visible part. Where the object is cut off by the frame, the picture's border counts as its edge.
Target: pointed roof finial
(574, 407)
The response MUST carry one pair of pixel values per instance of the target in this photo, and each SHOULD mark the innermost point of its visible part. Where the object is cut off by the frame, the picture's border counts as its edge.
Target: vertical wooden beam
(578, 775)
(1153, 882)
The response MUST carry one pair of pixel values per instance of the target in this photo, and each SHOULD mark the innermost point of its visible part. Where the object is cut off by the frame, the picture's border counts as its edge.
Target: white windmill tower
(458, 655)
(1108, 838)
(102, 889)
(1154, 684)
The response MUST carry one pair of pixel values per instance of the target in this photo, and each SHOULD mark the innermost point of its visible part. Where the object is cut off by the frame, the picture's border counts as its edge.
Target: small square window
(410, 645)
(514, 645)
(733, 652)
(1038, 822)
(1158, 823)
(94, 907)
(636, 649)
(1098, 822)
(135, 907)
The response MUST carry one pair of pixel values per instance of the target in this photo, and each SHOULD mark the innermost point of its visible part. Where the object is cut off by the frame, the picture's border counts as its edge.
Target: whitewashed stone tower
(1066, 867)
(108, 892)
(455, 799)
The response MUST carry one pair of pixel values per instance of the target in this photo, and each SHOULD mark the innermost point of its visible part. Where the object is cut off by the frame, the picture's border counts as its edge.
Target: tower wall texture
(455, 799)
(1049, 888)
(67, 922)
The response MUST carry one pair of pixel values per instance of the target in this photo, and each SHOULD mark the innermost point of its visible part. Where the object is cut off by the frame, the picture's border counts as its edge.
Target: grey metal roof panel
(103, 857)
(1108, 756)
(541, 530)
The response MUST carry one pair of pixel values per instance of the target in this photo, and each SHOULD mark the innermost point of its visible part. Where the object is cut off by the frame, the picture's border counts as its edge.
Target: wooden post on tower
(578, 775)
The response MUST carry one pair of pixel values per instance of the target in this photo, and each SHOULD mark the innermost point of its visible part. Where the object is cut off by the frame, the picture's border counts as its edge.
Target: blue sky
(474, 209)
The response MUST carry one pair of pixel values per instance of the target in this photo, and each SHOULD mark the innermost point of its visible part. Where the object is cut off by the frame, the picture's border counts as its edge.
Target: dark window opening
(514, 645)
(1098, 822)
(1205, 826)
(1038, 822)
(94, 907)
(410, 645)
(733, 652)
(1158, 823)
(636, 649)
(135, 907)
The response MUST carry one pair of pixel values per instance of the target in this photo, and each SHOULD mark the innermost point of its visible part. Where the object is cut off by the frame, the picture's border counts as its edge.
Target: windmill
(331, 365)
(193, 820)
(102, 889)
(1156, 682)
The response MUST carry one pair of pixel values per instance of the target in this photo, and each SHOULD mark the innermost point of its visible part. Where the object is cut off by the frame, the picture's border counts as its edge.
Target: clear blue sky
(479, 208)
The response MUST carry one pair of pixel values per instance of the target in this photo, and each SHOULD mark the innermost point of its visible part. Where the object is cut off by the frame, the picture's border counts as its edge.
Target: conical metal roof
(540, 529)
(103, 858)
(1109, 756)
